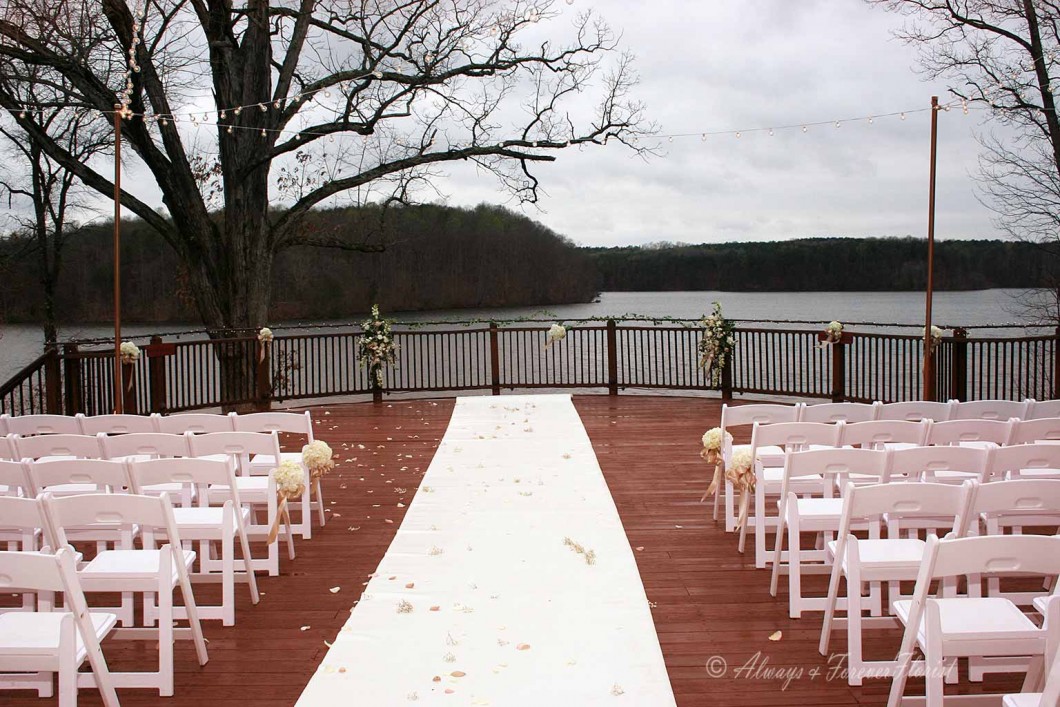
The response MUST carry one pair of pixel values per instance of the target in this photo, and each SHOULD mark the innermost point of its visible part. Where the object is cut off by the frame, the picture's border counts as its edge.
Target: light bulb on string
(702, 137)
(327, 94)
(902, 116)
(870, 120)
(237, 110)
(964, 105)
(263, 132)
(771, 132)
(22, 114)
(670, 139)
(163, 121)
(262, 107)
(276, 105)
(804, 128)
(738, 134)
(837, 123)
(223, 115)
(229, 130)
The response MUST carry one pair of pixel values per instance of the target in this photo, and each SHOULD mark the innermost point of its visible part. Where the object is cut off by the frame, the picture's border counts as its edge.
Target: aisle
(483, 598)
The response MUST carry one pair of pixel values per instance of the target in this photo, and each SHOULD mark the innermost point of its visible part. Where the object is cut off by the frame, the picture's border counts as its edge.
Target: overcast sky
(736, 64)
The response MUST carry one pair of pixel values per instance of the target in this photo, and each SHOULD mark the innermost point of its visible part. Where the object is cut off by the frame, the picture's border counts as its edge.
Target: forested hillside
(434, 257)
(822, 264)
(440, 257)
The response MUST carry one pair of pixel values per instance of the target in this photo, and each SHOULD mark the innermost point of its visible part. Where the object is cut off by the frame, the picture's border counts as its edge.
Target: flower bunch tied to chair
(716, 344)
(376, 347)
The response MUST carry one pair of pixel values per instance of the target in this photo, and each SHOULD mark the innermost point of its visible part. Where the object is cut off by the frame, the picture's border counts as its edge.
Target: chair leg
(830, 606)
(855, 659)
(228, 580)
(933, 687)
(192, 611)
(777, 553)
(248, 567)
(760, 526)
(794, 572)
(730, 508)
(67, 665)
(165, 631)
(323, 519)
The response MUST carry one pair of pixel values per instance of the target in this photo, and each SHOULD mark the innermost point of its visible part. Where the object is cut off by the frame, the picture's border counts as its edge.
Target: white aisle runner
(480, 601)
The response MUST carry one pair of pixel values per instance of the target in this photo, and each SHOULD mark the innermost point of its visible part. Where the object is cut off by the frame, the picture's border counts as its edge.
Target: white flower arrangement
(833, 333)
(556, 332)
(130, 352)
(376, 347)
(712, 439)
(936, 337)
(317, 456)
(741, 469)
(717, 343)
(289, 478)
(265, 335)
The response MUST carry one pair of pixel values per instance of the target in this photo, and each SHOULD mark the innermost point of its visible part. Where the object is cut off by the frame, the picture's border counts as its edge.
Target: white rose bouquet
(317, 457)
(713, 442)
(556, 332)
(290, 484)
(936, 337)
(265, 335)
(833, 334)
(130, 352)
(741, 473)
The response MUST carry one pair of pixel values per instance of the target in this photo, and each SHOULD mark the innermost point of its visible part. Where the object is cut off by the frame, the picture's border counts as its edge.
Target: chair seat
(888, 554)
(1038, 473)
(252, 489)
(967, 618)
(775, 475)
(820, 508)
(1023, 699)
(198, 518)
(26, 633)
(111, 564)
(268, 461)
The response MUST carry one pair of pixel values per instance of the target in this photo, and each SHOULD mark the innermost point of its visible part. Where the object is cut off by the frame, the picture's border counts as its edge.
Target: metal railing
(611, 355)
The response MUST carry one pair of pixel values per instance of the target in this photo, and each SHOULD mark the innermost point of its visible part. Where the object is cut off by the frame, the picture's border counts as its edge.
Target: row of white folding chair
(155, 569)
(937, 509)
(808, 504)
(242, 448)
(202, 478)
(30, 425)
(34, 646)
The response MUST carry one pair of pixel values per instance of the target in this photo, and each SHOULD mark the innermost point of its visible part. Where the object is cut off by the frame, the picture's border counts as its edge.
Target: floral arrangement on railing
(936, 337)
(290, 484)
(556, 332)
(264, 339)
(376, 347)
(741, 473)
(130, 352)
(713, 446)
(833, 333)
(716, 344)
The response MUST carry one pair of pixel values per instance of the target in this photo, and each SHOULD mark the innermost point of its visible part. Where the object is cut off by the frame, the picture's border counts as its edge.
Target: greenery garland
(376, 347)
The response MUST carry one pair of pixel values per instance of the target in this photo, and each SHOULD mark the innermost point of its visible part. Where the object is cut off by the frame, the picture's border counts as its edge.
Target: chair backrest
(7, 448)
(971, 430)
(992, 554)
(1015, 458)
(107, 476)
(189, 471)
(833, 464)
(4, 431)
(876, 433)
(23, 515)
(911, 463)
(38, 572)
(1040, 429)
(154, 444)
(197, 422)
(840, 412)
(29, 425)
(1051, 692)
(1019, 497)
(764, 413)
(13, 476)
(989, 410)
(117, 424)
(900, 502)
(110, 514)
(237, 445)
(1042, 408)
(795, 436)
(915, 410)
(58, 445)
(289, 422)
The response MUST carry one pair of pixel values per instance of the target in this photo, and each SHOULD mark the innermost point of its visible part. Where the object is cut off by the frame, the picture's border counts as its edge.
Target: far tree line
(440, 257)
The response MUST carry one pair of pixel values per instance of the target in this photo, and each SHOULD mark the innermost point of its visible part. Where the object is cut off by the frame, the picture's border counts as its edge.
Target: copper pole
(118, 402)
(929, 363)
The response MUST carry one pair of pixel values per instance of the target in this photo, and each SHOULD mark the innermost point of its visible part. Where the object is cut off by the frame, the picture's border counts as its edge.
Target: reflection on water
(21, 343)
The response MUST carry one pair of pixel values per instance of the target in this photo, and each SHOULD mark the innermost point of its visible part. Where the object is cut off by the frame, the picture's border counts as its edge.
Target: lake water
(21, 343)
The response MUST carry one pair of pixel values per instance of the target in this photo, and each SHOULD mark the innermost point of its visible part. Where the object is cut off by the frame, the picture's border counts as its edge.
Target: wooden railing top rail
(28, 371)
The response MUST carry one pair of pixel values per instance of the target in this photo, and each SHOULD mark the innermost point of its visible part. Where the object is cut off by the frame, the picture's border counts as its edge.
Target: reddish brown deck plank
(707, 599)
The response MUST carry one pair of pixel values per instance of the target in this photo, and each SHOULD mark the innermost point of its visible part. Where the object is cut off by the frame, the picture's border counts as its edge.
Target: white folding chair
(950, 627)
(13, 479)
(840, 412)
(207, 525)
(1025, 461)
(140, 446)
(34, 645)
(196, 422)
(295, 423)
(736, 416)
(971, 432)
(1000, 410)
(7, 448)
(885, 434)
(1039, 430)
(152, 571)
(877, 560)
(260, 491)
(916, 410)
(21, 530)
(1042, 408)
(939, 464)
(1050, 695)
(116, 424)
(57, 446)
(31, 425)
(820, 514)
(789, 437)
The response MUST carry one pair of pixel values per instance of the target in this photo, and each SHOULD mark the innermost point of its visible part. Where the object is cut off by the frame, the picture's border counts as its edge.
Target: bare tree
(40, 192)
(1001, 54)
(310, 101)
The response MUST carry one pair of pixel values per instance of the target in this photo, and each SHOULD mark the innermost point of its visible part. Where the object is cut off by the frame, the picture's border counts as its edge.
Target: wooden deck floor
(708, 602)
